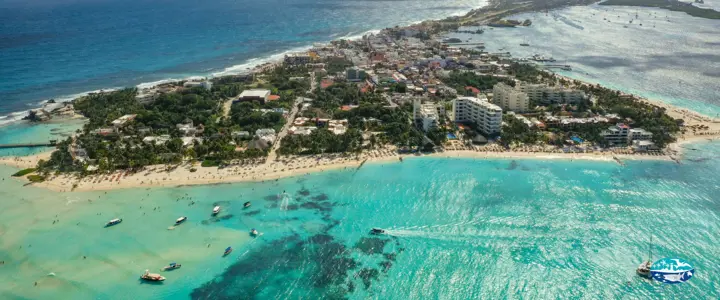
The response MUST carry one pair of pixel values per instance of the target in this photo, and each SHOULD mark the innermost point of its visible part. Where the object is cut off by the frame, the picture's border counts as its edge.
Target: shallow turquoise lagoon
(457, 229)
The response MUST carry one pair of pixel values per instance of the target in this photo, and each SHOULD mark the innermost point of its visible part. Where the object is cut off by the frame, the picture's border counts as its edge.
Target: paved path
(289, 121)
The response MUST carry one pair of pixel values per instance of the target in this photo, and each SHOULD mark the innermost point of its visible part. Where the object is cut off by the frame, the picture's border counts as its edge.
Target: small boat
(113, 222)
(171, 266)
(180, 220)
(254, 232)
(216, 210)
(644, 269)
(227, 251)
(247, 204)
(151, 277)
(377, 231)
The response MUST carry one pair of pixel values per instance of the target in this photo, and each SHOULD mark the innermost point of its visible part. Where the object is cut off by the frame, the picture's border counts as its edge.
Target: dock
(27, 145)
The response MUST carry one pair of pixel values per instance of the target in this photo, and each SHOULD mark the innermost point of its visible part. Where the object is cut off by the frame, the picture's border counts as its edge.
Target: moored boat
(227, 251)
(172, 266)
(151, 276)
(216, 210)
(247, 204)
(180, 220)
(113, 222)
(644, 269)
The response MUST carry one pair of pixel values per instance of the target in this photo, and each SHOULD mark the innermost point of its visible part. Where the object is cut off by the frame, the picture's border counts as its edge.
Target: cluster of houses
(305, 126)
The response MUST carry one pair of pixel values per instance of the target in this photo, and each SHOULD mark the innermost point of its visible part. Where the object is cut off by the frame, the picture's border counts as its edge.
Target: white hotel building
(425, 115)
(486, 115)
(543, 94)
(509, 98)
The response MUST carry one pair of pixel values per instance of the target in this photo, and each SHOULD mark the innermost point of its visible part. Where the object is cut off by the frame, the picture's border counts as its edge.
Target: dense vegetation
(643, 115)
(125, 149)
(459, 80)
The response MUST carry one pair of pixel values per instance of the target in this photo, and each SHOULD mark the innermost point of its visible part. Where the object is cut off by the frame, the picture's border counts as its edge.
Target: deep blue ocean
(58, 48)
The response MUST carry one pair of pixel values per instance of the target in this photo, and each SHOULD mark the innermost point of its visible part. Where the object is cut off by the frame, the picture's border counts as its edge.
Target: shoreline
(157, 176)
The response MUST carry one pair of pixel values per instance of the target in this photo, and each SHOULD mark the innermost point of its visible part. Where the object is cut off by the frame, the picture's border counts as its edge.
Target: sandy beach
(193, 174)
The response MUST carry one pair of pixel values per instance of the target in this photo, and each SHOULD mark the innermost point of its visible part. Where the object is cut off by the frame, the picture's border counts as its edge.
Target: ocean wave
(243, 68)
(17, 116)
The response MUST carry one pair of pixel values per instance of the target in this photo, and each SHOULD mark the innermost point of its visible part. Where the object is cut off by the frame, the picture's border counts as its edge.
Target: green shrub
(210, 163)
(23, 172)
(36, 178)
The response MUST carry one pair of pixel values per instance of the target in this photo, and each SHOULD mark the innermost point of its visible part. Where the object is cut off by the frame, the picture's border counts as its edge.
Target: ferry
(151, 277)
(228, 250)
(171, 266)
(216, 210)
(180, 220)
(113, 222)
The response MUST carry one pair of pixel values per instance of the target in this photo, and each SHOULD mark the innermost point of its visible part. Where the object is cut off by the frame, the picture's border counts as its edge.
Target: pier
(27, 145)
(564, 67)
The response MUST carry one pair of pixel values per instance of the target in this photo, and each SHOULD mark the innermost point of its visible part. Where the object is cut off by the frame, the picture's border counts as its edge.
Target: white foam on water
(239, 69)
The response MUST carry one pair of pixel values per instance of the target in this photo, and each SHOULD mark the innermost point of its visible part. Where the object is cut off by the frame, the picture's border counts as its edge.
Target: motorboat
(644, 269)
(113, 222)
(151, 276)
(227, 251)
(171, 266)
(377, 231)
(247, 204)
(216, 210)
(180, 220)
(254, 232)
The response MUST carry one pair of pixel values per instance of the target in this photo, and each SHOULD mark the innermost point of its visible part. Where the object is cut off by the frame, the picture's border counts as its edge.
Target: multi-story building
(486, 115)
(509, 98)
(622, 135)
(300, 58)
(425, 115)
(355, 74)
(546, 95)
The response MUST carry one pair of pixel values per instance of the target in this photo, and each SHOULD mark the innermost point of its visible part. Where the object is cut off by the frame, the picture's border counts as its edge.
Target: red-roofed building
(378, 57)
(273, 98)
(472, 90)
(326, 83)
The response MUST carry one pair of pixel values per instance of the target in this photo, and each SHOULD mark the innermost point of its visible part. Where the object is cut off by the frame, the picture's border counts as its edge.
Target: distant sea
(61, 49)
(662, 55)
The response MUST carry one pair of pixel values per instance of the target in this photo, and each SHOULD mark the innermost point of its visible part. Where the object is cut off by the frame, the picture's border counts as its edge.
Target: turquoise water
(458, 229)
(23, 132)
(672, 57)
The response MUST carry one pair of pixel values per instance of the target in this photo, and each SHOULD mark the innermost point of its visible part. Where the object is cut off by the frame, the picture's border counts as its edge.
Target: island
(402, 92)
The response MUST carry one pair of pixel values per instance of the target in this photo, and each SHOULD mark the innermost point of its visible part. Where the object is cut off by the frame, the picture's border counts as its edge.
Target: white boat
(113, 222)
(180, 220)
(151, 276)
(216, 210)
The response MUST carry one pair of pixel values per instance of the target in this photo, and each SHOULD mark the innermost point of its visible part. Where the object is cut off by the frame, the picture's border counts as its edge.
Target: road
(289, 121)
